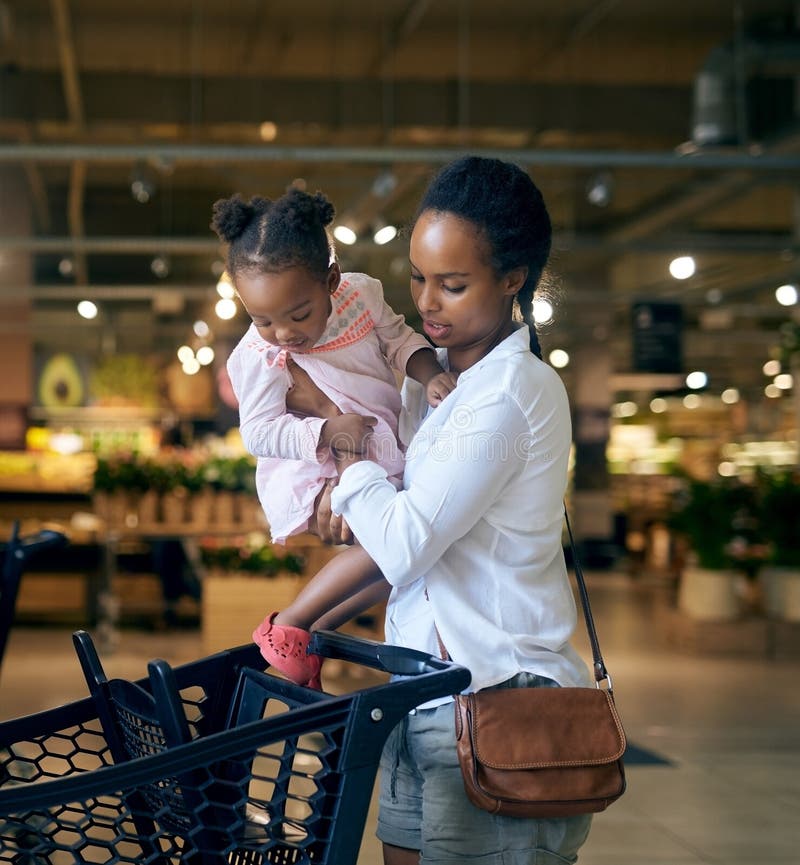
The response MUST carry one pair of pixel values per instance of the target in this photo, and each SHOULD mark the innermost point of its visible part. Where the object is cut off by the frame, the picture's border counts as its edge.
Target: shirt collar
(515, 343)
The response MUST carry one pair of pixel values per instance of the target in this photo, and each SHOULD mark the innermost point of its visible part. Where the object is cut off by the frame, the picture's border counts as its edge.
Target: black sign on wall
(657, 337)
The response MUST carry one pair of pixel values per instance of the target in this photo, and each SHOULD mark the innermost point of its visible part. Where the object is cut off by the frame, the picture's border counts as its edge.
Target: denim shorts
(423, 805)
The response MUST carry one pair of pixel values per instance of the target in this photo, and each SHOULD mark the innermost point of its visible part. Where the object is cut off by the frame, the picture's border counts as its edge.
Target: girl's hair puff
(272, 236)
(508, 209)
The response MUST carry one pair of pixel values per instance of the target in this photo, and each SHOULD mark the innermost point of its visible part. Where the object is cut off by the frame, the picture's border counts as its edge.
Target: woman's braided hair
(507, 208)
(271, 236)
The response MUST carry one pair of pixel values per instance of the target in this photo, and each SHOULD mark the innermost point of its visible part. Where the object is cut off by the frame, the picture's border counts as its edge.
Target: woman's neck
(462, 358)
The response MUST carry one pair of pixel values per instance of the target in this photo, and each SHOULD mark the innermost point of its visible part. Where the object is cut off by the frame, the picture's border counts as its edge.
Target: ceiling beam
(681, 205)
(409, 21)
(75, 198)
(544, 157)
(75, 112)
(36, 185)
(660, 112)
(745, 243)
(69, 64)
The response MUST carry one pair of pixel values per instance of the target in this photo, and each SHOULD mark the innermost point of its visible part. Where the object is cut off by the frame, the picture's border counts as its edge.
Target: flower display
(250, 553)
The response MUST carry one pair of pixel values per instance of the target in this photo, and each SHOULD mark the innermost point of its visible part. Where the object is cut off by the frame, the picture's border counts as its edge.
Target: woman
(472, 543)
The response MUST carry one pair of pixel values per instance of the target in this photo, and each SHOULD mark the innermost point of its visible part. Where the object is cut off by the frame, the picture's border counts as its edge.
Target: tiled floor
(730, 728)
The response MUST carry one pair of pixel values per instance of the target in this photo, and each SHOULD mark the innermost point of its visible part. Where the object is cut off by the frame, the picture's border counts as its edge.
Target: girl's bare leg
(339, 581)
(377, 593)
(334, 594)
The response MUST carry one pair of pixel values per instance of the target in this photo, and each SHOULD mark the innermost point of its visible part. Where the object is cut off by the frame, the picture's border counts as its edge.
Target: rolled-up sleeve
(463, 471)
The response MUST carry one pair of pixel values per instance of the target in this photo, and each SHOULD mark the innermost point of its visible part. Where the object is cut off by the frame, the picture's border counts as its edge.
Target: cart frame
(275, 772)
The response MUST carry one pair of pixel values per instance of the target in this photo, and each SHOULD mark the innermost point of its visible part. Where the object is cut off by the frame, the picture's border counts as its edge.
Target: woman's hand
(329, 527)
(304, 398)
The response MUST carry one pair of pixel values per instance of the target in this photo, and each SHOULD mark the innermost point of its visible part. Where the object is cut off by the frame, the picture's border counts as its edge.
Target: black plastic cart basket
(271, 772)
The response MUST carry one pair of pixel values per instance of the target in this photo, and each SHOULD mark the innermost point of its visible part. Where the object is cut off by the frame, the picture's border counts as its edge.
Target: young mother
(472, 544)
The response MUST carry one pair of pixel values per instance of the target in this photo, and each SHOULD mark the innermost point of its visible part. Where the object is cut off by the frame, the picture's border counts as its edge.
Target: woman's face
(290, 308)
(465, 306)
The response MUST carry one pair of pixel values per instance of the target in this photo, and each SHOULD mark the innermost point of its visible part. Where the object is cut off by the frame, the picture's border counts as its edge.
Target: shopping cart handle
(42, 540)
(21, 549)
(380, 656)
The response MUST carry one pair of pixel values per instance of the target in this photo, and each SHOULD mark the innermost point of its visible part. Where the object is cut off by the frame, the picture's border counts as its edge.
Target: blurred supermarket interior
(665, 138)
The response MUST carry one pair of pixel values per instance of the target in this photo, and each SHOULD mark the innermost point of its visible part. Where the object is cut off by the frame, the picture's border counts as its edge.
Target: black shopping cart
(214, 761)
(15, 555)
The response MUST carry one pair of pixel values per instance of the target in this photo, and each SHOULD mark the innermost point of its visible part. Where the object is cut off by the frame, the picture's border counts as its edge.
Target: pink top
(352, 364)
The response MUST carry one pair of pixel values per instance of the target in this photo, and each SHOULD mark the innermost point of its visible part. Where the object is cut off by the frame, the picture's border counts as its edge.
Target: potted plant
(780, 528)
(117, 483)
(715, 517)
(232, 478)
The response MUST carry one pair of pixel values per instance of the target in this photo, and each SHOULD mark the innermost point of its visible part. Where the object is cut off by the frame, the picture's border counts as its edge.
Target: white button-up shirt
(473, 540)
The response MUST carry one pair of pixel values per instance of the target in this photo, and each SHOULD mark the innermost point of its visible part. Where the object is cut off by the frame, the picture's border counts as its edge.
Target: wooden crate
(233, 604)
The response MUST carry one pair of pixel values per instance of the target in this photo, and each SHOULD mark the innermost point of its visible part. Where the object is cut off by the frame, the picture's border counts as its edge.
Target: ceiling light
(384, 184)
(624, 409)
(345, 235)
(191, 367)
(217, 268)
(772, 391)
(201, 329)
(600, 189)
(697, 379)
(786, 295)
(205, 355)
(726, 469)
(658, 405)
(682, 267)
(143, 184)
(66, 266)
(225, 308)
(185, 353)
(385, 234)
(225, 286)
(268, 131)
(691, 400)
(558, 358)
(87, 309)
(784, 381)
(771, 367)
(542, 311)
(730, 396)
(160, 266)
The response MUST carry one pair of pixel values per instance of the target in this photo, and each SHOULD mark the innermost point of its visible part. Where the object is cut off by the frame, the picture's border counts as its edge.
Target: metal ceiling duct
(745, 90)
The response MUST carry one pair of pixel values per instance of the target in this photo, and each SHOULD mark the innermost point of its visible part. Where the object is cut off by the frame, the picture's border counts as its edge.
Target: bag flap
(527, 728)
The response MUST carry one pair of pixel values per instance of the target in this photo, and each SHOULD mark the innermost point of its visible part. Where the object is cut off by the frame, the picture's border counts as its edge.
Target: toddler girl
(338, 329)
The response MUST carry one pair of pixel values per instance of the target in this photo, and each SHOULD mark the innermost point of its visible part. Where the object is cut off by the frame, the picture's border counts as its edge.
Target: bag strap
(600, 672)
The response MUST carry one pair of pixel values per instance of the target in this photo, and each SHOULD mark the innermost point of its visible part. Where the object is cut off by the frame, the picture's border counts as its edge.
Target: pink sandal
(286, 649)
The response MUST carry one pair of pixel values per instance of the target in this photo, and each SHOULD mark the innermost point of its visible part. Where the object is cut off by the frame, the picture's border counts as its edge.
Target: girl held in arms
(309, 317)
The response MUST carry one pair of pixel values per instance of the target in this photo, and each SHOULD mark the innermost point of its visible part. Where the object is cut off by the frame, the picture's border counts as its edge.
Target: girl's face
(290, 308)
(465, 306)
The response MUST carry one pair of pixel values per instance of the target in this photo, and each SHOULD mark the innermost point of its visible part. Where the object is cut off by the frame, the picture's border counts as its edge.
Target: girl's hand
(439, 386)
(304, 398)
(347, 434)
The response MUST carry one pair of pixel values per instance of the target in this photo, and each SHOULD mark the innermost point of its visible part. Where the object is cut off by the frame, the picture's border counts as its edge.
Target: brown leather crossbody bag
(543, 752)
